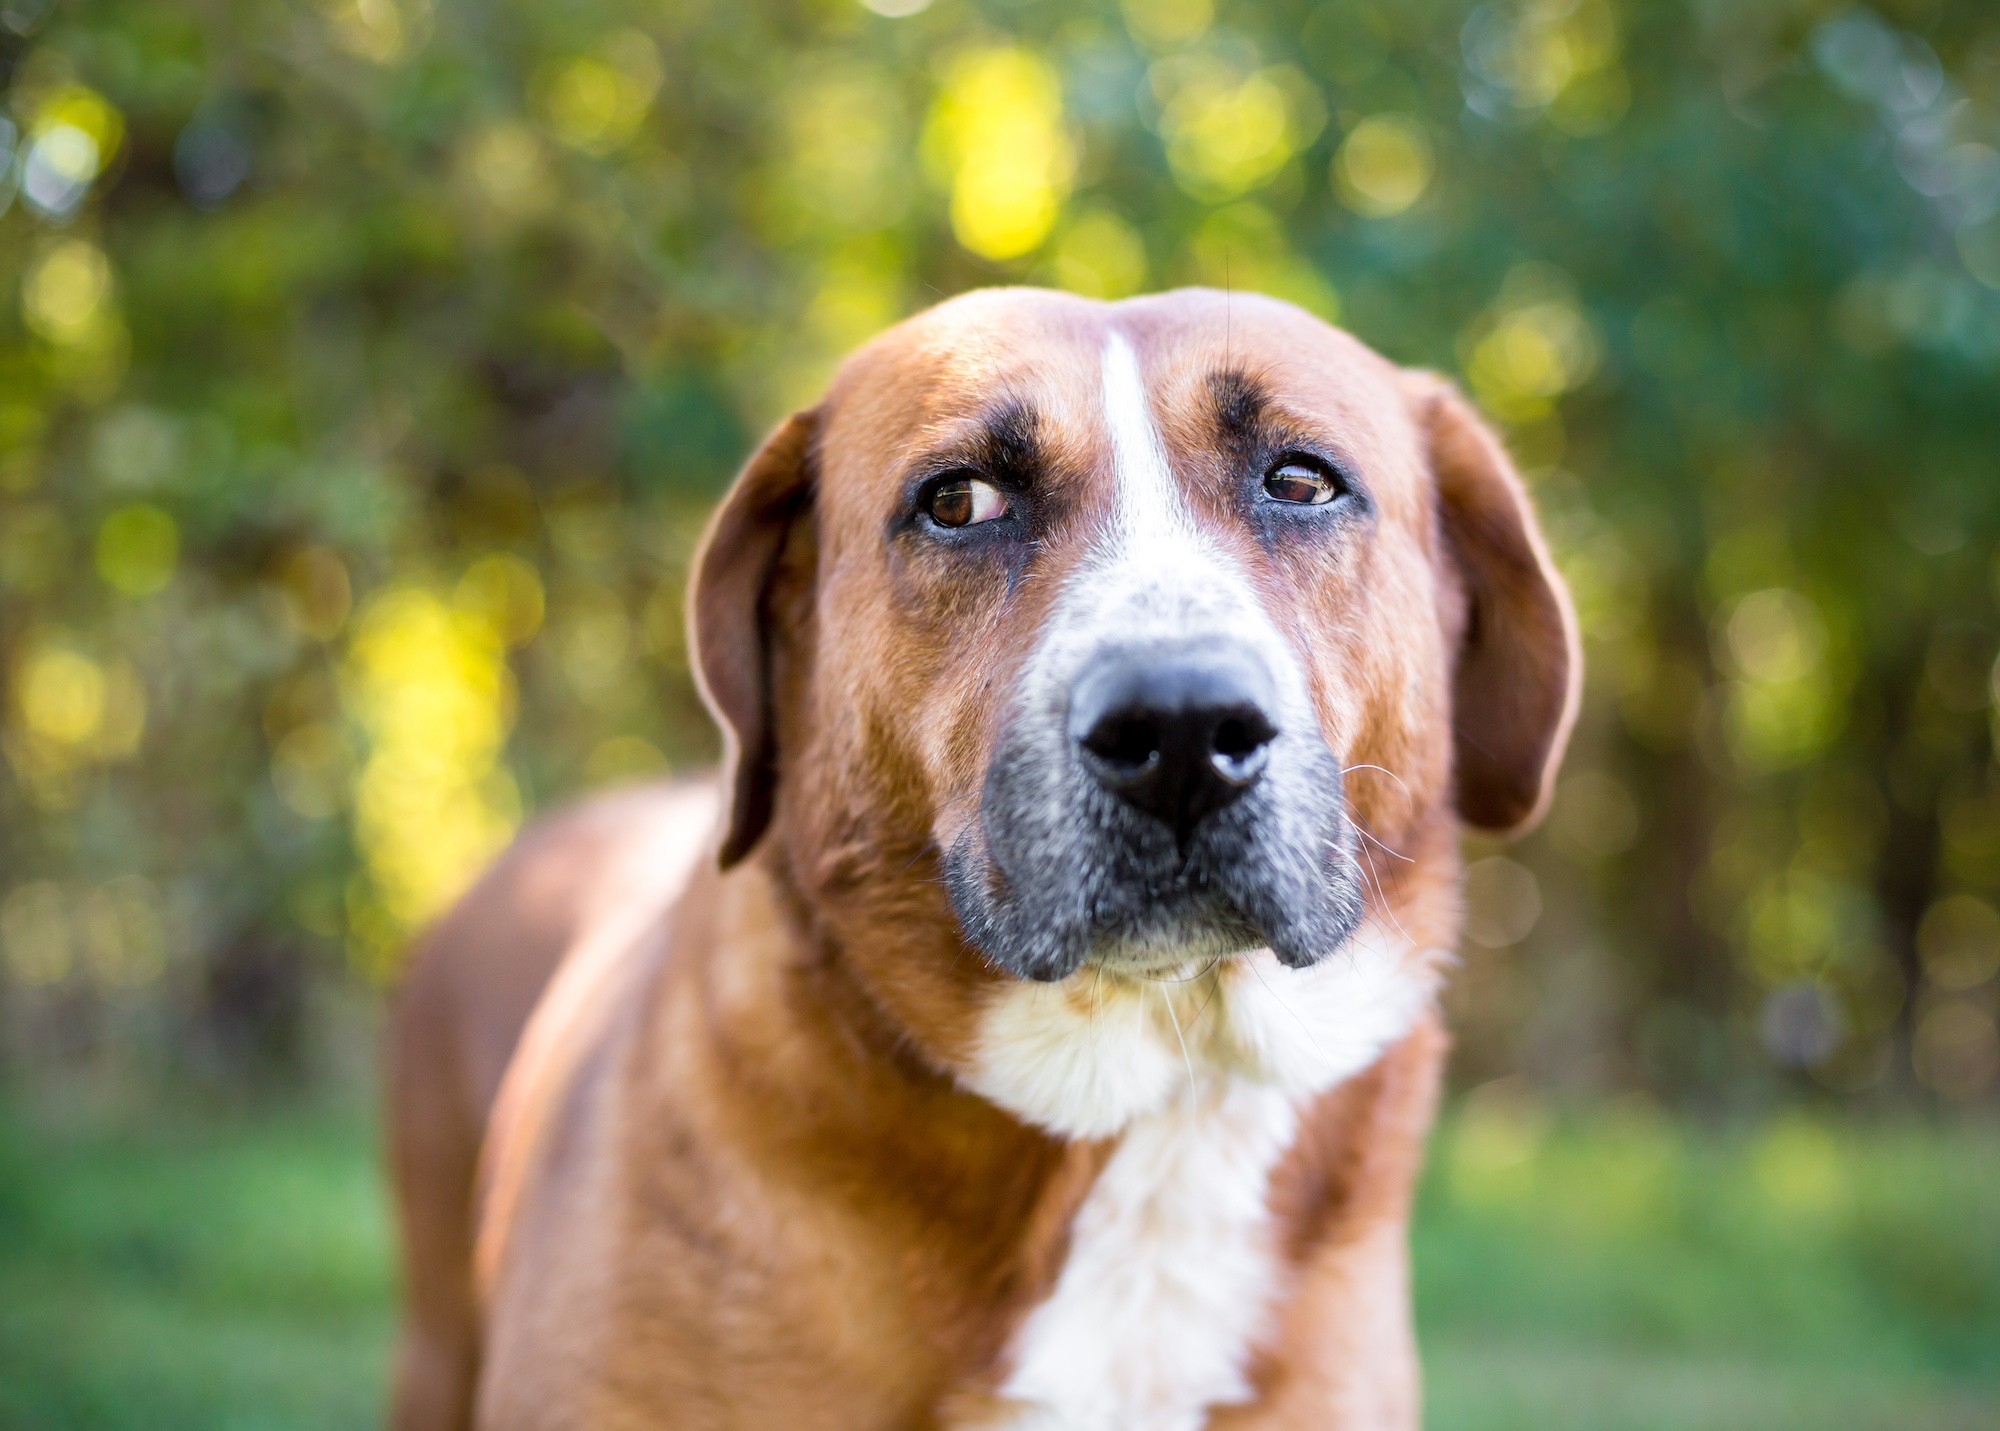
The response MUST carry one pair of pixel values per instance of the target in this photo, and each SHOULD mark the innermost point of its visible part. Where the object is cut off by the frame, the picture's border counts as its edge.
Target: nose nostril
(1128, 742)
(1233, 739)
(1241, 734)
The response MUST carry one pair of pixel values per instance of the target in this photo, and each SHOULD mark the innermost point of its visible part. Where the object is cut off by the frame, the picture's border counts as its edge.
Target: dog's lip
(1214, 933)
(1168, 966)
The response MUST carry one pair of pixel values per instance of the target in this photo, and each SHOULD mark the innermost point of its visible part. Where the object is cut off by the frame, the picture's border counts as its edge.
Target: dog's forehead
(1035, 359)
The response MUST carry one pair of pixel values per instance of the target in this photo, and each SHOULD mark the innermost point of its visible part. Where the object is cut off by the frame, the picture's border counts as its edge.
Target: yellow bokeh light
(1775, 635)
(382, 31)
(996, 132)
(80, 108)
(66, 292)
(1100, 256)
(1383, 166)
(1161, 24)
(1798, 1165)
(1557, 58)
(505, 593)
(1227, 135)
(1777, 725)
(138, 548)
(860, 294)
(1534, 345)
(61, 694)
(68, 154)
(623, 759)
(1783, 708)
(597, 101)
(430, 689)
(508, 167)
(846, 161)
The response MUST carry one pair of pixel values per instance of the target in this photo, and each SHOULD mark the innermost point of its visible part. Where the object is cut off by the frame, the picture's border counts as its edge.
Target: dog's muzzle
(1167, 808)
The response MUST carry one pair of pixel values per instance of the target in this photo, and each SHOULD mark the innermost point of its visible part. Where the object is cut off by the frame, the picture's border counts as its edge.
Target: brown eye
(964, 502)
(1303, 483)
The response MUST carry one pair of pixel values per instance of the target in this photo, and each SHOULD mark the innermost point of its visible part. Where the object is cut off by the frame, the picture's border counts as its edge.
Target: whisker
(1393, 879)
(1371, 837)
(1214, 986)
(1370, 875)
(1174, 1019)
(1383, 895)
(1182, 978)
(1096, 1003)
(1384, 770)
(1202, 973)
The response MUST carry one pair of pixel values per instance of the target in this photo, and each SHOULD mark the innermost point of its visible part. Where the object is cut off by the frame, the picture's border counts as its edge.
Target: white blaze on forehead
(1150, 505)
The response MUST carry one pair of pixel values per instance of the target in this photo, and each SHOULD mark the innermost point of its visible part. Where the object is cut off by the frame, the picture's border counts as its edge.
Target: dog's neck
(1189, 1090)
(1173, 1268)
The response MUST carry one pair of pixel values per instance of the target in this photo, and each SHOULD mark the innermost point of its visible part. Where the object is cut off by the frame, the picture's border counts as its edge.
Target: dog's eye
(1302, 482)
(964, 501)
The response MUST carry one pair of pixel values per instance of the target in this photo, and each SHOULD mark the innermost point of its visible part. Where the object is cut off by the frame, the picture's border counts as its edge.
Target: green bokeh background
(367, 368)
(371, 365)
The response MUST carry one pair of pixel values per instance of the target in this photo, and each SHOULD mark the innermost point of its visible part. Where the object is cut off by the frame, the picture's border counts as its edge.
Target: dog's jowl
(1034, 1024)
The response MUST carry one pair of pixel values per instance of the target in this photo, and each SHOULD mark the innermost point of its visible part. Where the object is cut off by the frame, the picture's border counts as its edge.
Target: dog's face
(1128, 625)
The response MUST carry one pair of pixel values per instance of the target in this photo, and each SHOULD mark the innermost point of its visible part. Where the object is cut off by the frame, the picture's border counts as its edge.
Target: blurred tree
(368, 366)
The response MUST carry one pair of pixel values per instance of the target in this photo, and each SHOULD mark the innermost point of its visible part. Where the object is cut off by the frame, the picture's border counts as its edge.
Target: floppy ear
(1519, 670)
(728, 620)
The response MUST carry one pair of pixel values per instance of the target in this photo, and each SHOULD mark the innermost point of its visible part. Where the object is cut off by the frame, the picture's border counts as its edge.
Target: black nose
(1177, 732)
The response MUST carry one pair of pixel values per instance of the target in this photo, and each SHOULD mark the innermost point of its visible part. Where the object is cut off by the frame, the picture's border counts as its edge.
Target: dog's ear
(729, 618)
(1519, 665)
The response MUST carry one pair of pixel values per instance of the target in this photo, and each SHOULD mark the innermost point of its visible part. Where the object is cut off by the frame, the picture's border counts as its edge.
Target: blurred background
(367, 368)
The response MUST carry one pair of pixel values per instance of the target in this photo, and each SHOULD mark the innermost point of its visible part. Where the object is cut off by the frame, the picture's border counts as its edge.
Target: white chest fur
(1171, 1274)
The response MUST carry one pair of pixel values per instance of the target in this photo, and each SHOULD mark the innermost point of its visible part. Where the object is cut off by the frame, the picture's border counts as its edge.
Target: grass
(1614, 1273)
(1625, 1272)
(227, 1276)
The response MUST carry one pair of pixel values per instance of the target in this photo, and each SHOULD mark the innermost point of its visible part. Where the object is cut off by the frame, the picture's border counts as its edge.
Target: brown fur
(759, 1195)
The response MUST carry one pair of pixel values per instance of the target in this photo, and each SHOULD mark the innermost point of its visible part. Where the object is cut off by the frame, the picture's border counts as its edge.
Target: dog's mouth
(1041, 899)
(1175, 930)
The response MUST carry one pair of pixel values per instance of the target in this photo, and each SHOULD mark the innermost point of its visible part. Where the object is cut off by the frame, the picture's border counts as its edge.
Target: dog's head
(1103, 634)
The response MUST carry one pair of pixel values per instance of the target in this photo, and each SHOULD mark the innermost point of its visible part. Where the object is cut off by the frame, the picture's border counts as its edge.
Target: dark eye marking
(1010, 445)
(992, 472)
(1290, 467)
(1238, 401)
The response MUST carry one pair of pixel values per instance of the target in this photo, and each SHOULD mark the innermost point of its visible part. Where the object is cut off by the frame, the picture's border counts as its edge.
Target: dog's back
(471, 988)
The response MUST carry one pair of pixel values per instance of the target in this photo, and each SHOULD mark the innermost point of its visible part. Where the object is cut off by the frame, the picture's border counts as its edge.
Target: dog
(1034, 1023)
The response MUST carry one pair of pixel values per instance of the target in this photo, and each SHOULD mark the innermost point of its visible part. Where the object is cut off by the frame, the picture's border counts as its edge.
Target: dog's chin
(1177, 953)
(1043, 931)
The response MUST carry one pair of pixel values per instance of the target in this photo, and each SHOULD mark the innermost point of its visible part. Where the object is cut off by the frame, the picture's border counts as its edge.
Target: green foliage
(368, 365)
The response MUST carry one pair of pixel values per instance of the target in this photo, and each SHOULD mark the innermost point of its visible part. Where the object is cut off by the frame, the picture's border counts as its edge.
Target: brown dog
(1052, 1043)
